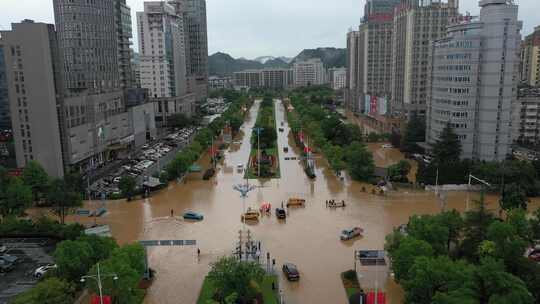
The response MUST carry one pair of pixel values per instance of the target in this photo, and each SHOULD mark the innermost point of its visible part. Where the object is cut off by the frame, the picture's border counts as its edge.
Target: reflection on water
(309, 237)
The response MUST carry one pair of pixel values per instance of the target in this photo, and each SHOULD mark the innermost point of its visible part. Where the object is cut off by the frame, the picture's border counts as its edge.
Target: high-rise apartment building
(309, 73)
(88, 39)
(162, 50)
(376, 44)
(33, 62)
(193, 14)
(248, 79)
(354, 54)
(530, 59)
(124, 51)
(417, 23)
(5, 119)
(337, 77)
(276, 78)
(526, 116)
(474, 75)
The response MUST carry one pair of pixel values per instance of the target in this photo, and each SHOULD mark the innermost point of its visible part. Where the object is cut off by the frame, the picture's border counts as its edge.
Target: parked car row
(146, 158)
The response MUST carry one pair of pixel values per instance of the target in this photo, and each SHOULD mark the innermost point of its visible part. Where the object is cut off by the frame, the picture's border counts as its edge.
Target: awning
(152, 182)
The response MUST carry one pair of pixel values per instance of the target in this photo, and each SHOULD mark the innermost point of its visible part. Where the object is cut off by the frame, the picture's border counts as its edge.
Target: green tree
(127, 186)
(102, 247)
(509, 245)
(454, 222)
(229, 275)
(62, 198)
(490, 283)
(17, 198)
(430, 229)
(415, 131)
(404, 256)
(49, 291)
(513, 197)
(35, 176)
(125, 289)
(359, 162)
(476, 224)
(535, 224)
(399, 171)
(448, 148)
(430, 276)
(74, 259)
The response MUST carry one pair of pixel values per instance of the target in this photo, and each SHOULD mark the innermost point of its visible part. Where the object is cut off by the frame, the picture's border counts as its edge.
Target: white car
(41, 271)
(387, 146)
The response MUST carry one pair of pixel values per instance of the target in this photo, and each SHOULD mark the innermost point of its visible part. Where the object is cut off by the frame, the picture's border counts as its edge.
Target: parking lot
(29, 254)
(149, 161)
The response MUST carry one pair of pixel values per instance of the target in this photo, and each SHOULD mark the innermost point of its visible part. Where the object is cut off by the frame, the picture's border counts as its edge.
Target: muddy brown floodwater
(309, 237)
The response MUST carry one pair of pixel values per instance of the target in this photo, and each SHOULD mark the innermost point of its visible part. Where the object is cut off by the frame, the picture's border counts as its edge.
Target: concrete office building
(474, 76)
(276, 78)
(124, 51)
(352, 100)
(93, 38)
(5, 119)
(376, 43)
(31, 53)
(89, 42)
(162, 51)
(417, 23)
(248, 79)
(219, 83)
(530, 59)
(309, 73)
(193, 14)
(337, 77)
(526, 117)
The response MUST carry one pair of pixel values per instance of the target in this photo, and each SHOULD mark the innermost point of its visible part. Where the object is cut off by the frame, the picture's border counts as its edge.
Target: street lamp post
(258, 130)
(98, 280)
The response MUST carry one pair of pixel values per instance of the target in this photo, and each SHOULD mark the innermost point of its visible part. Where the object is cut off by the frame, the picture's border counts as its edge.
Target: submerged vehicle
(296, 202)
(291, 272)
(250, 214)
(190, 215)
(350, 234)
(281, 213)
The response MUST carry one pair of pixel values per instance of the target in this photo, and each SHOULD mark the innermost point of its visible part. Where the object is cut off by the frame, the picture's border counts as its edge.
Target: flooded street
(309, 238)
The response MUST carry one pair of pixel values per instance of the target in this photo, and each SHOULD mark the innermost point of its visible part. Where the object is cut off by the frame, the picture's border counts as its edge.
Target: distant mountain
(222, 64)
(331, 57)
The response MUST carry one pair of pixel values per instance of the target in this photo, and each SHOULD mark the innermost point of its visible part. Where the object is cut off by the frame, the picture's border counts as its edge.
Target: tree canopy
(448, 148)
(231, 276)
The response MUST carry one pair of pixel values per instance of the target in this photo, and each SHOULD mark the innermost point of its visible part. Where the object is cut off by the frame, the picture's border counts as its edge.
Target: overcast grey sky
(252, 28)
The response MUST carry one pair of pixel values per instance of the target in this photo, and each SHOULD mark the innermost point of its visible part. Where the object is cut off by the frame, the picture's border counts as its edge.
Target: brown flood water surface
(308, 238)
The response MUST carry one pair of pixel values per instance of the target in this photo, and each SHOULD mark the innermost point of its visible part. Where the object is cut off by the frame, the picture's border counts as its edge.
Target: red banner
(374, 107)
(106, 300)
(381, 298)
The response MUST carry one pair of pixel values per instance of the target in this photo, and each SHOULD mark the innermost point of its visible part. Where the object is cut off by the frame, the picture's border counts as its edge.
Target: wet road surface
(309, 237)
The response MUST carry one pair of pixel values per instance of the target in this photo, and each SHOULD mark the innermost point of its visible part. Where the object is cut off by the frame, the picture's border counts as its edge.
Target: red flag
(307, 149)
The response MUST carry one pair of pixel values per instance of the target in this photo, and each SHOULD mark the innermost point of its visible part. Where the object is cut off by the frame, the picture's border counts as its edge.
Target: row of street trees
(341, 143)
(34, 186)
(474, 258)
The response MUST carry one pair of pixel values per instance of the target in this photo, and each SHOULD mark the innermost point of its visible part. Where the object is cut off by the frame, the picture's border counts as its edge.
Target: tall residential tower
(474, 76)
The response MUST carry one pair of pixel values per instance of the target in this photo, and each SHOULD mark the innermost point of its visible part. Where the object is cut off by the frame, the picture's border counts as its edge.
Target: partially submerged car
(349, 234)
(291, 272)
(191, 215)
(281, 213)
(250, 214)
